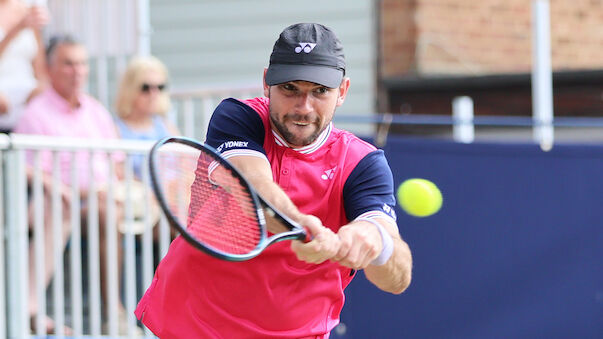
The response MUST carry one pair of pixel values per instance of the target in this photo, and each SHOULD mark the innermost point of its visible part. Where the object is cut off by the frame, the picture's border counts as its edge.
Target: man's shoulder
(92, 103)
(259, 105)
(38, 104)
(36, 114)
(354, 143)
(43, 103)
(248, 111)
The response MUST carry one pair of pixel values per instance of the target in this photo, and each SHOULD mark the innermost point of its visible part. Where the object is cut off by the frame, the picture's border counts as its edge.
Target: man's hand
(4, 104)
(323, 246)
(361, 243)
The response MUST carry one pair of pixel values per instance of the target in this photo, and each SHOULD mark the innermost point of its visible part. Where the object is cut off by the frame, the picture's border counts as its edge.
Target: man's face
(301, 110)
(68, 69)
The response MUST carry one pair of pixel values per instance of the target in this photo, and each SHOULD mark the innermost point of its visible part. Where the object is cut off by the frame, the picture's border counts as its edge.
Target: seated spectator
(65, 110)
(22, 69)
(141, 105)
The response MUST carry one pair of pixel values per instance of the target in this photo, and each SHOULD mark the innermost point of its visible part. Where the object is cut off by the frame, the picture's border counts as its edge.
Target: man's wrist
(387, 241)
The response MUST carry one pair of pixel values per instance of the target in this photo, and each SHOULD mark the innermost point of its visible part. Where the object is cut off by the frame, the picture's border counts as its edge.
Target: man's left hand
(361, 243)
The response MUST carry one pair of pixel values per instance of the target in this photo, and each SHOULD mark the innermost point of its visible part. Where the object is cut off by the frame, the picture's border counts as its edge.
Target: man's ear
(266, 87)
(343, 91)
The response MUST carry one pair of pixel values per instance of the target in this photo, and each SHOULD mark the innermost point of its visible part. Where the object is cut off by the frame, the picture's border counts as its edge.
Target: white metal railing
(75, 297)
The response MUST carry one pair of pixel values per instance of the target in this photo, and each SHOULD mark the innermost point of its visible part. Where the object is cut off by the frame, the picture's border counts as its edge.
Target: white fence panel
(46, 218)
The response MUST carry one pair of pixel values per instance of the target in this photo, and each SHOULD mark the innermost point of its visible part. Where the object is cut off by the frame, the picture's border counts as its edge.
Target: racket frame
(296, 231)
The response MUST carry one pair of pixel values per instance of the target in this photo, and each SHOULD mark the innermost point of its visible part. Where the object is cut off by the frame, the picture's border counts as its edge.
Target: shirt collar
(60, 102)
(321, 140)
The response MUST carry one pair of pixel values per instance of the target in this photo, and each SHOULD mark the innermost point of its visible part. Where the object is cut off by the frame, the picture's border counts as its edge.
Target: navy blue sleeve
(235, 125)
(370, 187)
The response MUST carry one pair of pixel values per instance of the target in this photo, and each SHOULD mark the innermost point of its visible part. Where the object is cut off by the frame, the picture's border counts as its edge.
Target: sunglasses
(147, 87)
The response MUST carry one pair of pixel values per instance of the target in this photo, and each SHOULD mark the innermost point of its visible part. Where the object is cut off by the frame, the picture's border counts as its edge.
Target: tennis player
(338, 186)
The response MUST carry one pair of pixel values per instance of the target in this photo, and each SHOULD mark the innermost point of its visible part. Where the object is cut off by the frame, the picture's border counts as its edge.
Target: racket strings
(227, 225)
(209, 200)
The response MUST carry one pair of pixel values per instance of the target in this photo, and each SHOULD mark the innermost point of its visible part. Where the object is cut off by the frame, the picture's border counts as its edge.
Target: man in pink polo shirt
(65, 110)
(326, 179)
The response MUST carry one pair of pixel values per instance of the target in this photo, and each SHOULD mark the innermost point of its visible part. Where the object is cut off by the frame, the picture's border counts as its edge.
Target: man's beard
(290, 137)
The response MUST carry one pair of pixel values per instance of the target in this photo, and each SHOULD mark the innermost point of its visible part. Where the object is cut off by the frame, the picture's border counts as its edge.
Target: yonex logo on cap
(307, 47)
(307, 52)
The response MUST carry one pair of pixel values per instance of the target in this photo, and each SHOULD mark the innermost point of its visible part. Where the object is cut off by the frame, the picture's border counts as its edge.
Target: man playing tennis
(326, 179)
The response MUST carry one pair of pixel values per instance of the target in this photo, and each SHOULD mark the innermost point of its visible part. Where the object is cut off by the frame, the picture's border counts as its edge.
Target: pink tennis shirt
(51, 115)
(338, 178)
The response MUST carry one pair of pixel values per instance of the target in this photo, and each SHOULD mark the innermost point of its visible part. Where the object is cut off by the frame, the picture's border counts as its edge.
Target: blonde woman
(142, 102)
(141, 105)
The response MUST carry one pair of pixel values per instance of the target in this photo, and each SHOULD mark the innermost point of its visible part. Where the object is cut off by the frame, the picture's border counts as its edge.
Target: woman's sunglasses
(147, 87)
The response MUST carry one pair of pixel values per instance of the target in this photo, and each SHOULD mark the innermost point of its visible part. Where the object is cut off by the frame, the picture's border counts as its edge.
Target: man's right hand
(323, 246)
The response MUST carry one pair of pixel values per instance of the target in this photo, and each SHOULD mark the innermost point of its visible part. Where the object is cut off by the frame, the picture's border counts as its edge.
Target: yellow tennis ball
(419, 197)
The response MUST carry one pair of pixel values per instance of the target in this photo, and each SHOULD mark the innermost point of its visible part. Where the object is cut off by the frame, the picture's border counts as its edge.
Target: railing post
(39, 245)
(57, 236)
(17, 246)
(94, 288)
(462, 115)
(208, 110)
(77, 308)
(4, 142)
(542, 79)
(188, 111)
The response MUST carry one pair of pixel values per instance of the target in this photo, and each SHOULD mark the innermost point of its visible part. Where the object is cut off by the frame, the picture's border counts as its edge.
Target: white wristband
(388, 244)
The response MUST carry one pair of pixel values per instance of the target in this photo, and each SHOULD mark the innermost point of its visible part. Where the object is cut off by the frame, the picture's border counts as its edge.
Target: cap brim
(322, 75)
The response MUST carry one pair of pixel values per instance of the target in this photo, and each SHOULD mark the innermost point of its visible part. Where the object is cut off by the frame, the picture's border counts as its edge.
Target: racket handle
(309, 236)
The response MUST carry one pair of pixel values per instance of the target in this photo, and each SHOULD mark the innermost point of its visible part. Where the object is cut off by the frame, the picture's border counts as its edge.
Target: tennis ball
(419, 197)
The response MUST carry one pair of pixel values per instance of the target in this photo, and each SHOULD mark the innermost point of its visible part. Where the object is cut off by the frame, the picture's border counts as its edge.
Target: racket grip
(308, 234)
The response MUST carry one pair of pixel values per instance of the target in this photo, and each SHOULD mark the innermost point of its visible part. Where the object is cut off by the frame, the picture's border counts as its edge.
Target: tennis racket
(211, 204)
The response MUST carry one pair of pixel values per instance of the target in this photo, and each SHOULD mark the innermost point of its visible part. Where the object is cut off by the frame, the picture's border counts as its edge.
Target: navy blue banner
(515, 252)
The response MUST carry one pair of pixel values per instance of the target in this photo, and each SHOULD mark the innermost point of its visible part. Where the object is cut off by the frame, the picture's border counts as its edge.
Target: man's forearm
(257, 171)
(272, 193)
(395, 275)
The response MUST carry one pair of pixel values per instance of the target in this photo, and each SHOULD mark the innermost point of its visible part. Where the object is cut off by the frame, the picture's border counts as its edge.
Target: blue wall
(515, 252)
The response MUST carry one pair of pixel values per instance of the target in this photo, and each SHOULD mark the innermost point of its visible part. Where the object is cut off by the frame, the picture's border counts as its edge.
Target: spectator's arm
(39, 67)
(10, 35)
(36, 17)
(4, 104)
